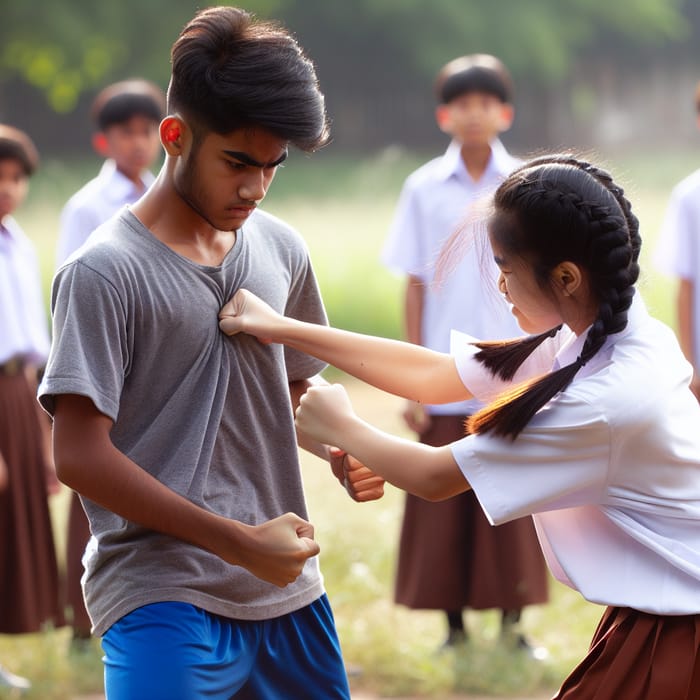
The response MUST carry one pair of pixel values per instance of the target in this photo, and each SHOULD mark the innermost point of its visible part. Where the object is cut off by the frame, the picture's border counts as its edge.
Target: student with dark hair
(469, 564)
(29, 580)
(590, 426)
(201, 573)
(126, 116)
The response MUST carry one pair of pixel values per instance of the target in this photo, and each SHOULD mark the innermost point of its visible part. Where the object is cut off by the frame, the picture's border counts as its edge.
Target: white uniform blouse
(24, 329)
(610, 468)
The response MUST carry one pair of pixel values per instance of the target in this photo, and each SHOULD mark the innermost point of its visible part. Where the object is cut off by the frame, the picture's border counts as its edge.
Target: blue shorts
(176, 651)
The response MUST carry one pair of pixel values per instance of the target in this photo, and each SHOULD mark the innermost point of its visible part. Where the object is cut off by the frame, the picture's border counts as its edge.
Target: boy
(126, 115)
(677, 255)
(201, 575)
(450, 557)
(29, 583)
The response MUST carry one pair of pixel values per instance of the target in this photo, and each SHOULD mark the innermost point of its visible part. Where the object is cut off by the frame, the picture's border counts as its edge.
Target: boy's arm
(360, 483)
(425, 471)
(88, 462)
(686, 321)
(400, 368)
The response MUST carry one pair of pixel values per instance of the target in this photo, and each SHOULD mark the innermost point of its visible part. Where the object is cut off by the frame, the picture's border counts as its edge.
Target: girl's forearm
(399, 368)
(425, 471)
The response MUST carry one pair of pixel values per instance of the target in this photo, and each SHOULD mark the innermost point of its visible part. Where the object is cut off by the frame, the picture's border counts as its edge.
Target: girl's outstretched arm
(429, 472)
(400, 368)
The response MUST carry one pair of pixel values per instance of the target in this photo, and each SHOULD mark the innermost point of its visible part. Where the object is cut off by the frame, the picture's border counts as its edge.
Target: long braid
(608, 247)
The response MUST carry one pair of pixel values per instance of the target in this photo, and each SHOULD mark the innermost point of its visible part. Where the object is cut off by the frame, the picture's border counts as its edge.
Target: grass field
(343, 208)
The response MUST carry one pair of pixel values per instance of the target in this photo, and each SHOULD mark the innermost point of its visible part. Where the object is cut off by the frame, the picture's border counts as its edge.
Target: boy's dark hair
(478, 72)
(232, 71)
(119, 102)
(16, 145)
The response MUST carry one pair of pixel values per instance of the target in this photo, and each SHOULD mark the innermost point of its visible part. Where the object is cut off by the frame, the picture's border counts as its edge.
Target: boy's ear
(506, 117)
(101, 144)
(171, 132)
(443, 118)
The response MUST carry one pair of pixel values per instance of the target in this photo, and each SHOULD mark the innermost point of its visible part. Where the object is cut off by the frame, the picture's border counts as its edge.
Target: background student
(29, 580)
(126, 116)
(450, 557)
(678, 255)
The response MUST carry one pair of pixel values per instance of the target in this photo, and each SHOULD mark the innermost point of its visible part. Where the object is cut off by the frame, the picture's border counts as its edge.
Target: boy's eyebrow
(245, 158)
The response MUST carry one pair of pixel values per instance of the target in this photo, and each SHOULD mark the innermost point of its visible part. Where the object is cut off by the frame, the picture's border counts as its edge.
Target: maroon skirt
(639, 656)
(451, 557)
(29, 581)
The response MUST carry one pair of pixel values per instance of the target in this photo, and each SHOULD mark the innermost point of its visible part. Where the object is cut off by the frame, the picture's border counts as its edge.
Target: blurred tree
(67, 47)
(376, 58)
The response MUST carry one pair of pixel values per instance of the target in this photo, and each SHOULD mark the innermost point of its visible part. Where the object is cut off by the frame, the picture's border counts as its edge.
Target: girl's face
(536, 309)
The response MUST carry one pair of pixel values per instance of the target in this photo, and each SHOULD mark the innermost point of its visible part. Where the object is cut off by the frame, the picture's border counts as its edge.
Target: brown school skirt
(639, 656)
(451, 557)
(29, 583)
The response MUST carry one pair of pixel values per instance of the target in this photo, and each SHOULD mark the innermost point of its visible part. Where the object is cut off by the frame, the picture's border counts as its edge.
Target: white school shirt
(609, 468)
(94, 203)
(435, 201)
(23, 321)
(678, 250)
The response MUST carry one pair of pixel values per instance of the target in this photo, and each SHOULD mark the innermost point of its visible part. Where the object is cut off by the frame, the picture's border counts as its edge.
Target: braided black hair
(554, 209)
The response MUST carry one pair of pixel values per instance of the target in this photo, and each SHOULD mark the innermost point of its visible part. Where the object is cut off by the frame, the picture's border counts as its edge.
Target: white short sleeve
(559, 461)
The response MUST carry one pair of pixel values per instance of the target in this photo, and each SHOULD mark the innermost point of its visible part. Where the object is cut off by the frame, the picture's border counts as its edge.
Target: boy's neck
(476, 160)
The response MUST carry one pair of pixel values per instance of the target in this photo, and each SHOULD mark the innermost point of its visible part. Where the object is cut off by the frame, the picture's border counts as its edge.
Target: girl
(591, 428)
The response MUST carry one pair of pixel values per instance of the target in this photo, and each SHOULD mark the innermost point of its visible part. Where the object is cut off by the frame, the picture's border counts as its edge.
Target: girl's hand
(324, 413)
(246, 313)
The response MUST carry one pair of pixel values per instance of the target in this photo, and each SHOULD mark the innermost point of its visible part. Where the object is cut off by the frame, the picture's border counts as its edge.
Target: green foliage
(70, 47)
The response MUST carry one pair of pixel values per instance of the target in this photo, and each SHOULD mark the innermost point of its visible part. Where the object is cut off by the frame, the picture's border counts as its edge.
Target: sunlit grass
(343, 208)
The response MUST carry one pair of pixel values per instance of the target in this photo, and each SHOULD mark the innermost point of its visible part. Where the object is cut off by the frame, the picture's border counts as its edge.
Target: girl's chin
(527, 325)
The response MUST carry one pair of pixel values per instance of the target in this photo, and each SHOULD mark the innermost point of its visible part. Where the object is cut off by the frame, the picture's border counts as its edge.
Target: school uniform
(29, 584)
(450, 558)
(94, 203)
(610, 471)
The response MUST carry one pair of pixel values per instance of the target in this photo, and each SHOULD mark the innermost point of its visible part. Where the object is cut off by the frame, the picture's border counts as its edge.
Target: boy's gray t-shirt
(136, 331)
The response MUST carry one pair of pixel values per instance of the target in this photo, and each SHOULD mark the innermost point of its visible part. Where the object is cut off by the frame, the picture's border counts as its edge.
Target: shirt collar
(452, 165)
(120, 187)
(8, 228)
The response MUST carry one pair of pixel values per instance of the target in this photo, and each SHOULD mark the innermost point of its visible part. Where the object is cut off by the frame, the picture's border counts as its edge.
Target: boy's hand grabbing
(361, 483)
